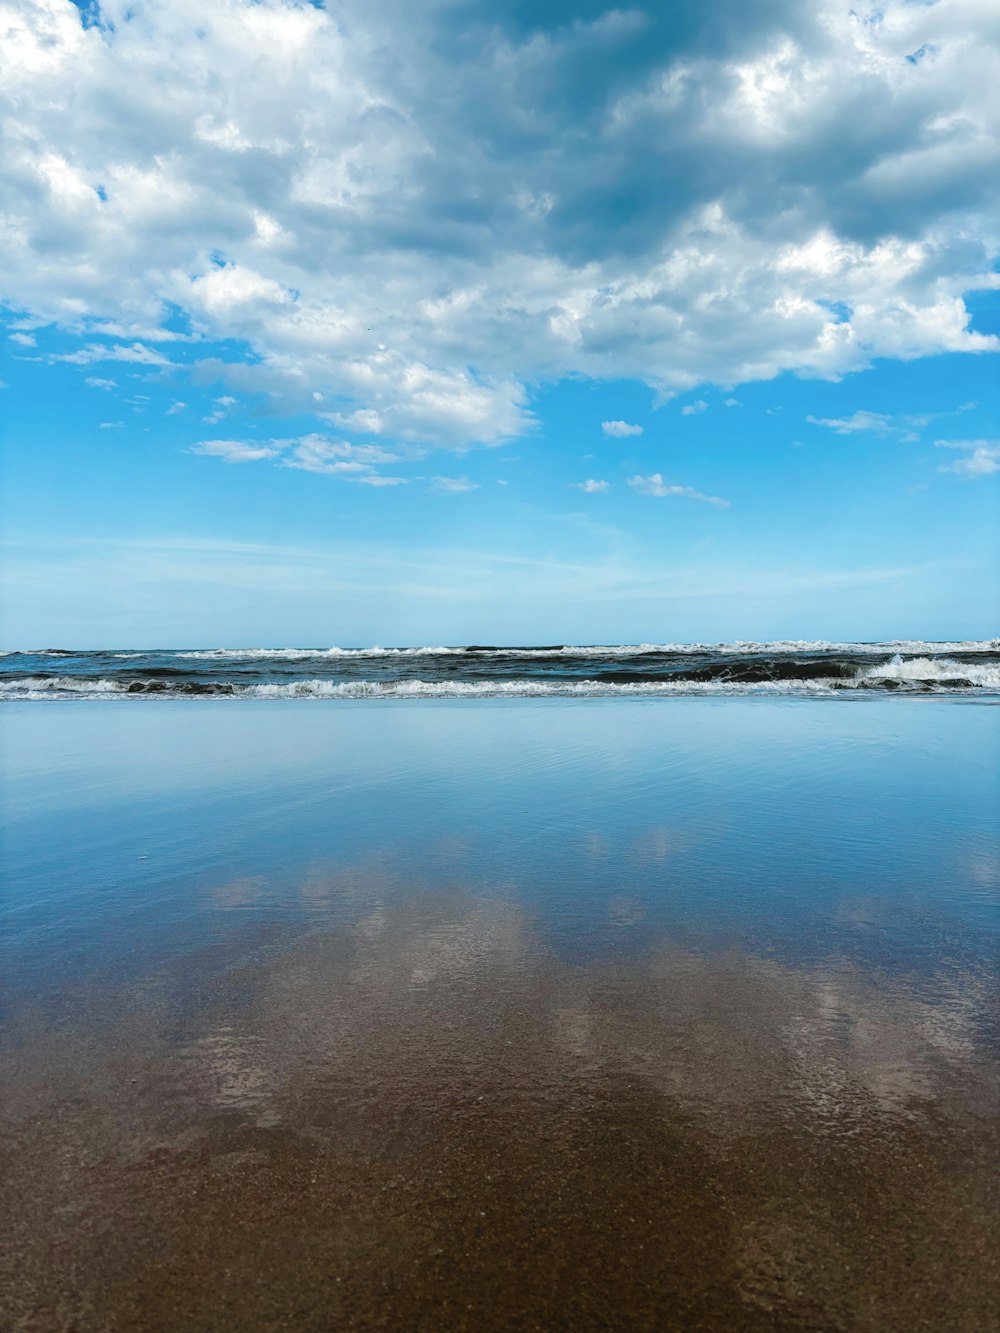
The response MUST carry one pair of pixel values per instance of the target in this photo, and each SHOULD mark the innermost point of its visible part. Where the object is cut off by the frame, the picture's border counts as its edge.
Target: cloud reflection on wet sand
(425, 1118)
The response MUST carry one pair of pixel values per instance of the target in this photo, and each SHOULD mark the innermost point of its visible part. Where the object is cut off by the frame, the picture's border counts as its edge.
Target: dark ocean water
(479, 671)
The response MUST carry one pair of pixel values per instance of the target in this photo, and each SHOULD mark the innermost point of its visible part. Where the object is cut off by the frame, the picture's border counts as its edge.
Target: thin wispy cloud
(310, 453)
(655, 484)
(860, 422)
(905, 426)
(454, 485)
(590, 486)
(234, 451)
(692, 409)
(221, 408)
(93, 352)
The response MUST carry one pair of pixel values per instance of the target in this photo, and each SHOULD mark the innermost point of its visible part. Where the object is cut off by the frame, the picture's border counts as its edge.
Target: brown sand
(429, 1122)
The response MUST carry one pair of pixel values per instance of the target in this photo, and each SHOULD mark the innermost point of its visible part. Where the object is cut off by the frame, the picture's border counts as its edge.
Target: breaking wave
(593, 650)
(792, 674)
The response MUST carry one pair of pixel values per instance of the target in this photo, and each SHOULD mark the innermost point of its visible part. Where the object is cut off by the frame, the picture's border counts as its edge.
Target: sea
(781, 668)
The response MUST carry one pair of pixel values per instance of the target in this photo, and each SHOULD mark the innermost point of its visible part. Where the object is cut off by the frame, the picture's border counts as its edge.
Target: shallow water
(506, 1013)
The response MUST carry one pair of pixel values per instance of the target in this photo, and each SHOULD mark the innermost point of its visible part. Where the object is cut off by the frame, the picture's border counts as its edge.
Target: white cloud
(731, 402)
(23, 339)
(417, 237)
(316, 453)
(692, 409)
(454, 485)
(234, 451)
(94, 382)
(85, 356)
(176, 407)
(655, 485)
(876, 423)
(221, 409)
(312, 453)
(110, 425)
(591, 487)
(981, 457)
(620, 429)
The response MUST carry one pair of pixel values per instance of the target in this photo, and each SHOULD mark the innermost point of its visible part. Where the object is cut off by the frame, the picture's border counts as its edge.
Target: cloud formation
(416, 212)
(313, 453)
(979, 458)
(655, 485)
(619, 430)
(591, 487)
(454, 485)
(234, 451)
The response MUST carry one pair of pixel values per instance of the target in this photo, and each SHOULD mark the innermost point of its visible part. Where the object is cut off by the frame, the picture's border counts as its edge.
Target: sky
(381, 323)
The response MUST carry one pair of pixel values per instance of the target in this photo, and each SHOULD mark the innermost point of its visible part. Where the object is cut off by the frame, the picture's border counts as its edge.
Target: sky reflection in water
(800, 830)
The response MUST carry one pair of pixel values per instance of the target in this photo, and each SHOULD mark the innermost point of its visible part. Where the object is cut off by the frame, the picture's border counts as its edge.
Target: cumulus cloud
(415, 213)
(23, 339)
(618, 430)
(95, 382)
(692, 409)
(591, 487)
(980, 457)
(655, 485)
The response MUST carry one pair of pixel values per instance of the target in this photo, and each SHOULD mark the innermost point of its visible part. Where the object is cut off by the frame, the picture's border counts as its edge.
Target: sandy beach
(623, 1081)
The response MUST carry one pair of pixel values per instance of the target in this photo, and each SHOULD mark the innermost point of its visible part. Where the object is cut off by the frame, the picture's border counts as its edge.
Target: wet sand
(422, 1109)
(429, 1122)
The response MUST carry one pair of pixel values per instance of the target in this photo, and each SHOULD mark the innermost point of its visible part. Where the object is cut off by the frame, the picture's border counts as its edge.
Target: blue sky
(349, 326)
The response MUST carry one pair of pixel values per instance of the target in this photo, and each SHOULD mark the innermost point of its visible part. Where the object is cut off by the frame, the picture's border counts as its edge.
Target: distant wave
(922, 675)
(529, 651)
(600, 650)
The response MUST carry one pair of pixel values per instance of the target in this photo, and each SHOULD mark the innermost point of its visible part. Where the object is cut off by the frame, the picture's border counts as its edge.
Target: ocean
(481, 671)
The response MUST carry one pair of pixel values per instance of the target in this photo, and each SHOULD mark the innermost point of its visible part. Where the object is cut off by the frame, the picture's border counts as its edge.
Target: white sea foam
(922, 674)
(301, 654)
(931, 671)
(824, 646)
(47, 687)
(68, 687)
